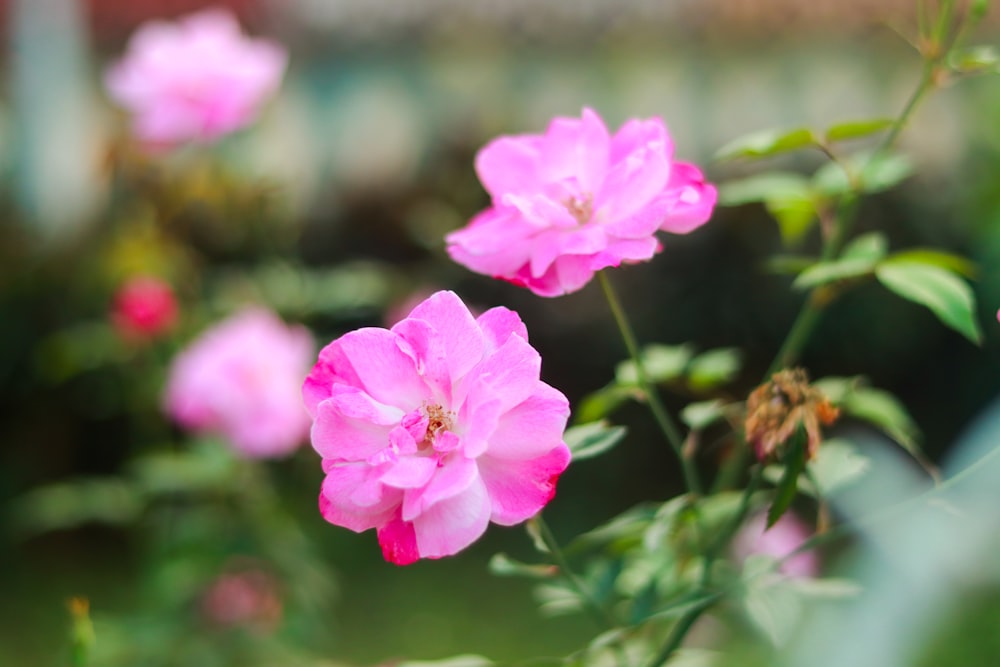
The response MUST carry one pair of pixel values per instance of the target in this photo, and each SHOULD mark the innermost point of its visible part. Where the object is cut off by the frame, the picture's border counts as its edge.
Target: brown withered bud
(776, 410)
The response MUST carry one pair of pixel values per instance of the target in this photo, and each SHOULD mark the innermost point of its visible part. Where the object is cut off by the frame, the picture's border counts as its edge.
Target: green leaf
(884, 410)
(504, 566)
(662, 363)
(789, 264)
(975, 60)
(838, 464)
(874, 175)
(601, 403)
(872, 246)
(831, 588)
(857, 129)
(768, 601)
(589, 440)
(701, 415)
(766, 143)
(69, 504)
(946, 295)
(933, 257)
(714, 367)
(795, 463)
(468, 660)
(534, 530)
(795, 216)
(829, 272)
(763, 187)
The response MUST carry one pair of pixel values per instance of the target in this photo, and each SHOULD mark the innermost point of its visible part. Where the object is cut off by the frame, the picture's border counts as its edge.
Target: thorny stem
(600, 614)
(660, 414)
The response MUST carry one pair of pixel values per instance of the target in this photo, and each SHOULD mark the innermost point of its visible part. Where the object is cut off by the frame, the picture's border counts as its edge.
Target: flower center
(439, 421)
(581, 208)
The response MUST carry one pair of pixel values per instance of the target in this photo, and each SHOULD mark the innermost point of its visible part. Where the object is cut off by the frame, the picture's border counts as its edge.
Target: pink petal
(498, 324)
(385, 366)
(509, 164)
(625, 250)
(453, 477)
(353, 497)
(691, 198)
(454, 523)
(531, 428)
(410, 472)
(337, 436)
(576, 149)
(518, 490)
(331, 368)
(398, 541)
(637, 134)
(632, 183)
(461, 339)
(510, 374)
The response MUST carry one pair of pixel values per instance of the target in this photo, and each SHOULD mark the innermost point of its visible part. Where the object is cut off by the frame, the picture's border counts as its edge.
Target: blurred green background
(332, 210)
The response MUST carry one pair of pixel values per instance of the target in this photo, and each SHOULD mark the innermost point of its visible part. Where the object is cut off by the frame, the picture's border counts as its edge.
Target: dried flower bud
(778, 408)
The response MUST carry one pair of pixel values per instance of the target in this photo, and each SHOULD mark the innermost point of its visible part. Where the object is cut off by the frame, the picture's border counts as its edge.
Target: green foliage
(766, 143)
(676, 365)
(593, 438)
(788, 197)
(108, 500)
(857, 129)
(794, 464)
(858, 260)
(941, 291)
(873, 173)
(975, 60)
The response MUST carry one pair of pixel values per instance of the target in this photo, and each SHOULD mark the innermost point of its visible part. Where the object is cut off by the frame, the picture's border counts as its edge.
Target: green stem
(600, 614)
(660, 414)
(679, 632)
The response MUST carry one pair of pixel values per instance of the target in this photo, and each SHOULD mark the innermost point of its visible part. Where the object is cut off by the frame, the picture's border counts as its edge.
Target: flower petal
(455, 474)
(454, 523)
(518, 490)
(336, 435)
(459, 340)
(398, 541)
(384, 364)
(353, 497)
(576, 149)
(498, 324)
(509, 164)
(531, 428)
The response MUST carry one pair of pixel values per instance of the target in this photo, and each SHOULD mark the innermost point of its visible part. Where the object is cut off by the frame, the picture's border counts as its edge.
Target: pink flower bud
(144, 307)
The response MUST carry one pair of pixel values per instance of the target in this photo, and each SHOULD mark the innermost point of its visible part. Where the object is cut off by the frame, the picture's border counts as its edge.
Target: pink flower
(197, 79)
(144, 307)
(575, 200)
(778, 541)
(432, 429)
(240, 379)
(246, 597)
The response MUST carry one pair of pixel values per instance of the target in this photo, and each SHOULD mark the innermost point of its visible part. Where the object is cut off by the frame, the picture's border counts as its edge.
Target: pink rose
(144, 307)
(197, 79)
(240, 379)
(432, 429)
(778, 541)
(575, 200)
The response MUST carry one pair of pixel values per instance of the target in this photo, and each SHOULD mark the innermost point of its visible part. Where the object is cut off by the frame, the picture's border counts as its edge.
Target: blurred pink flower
(144, 307)
(245, 597)
(432, 429)
(778, 541)
(197, 79)
(240, 379)
(575, 200)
